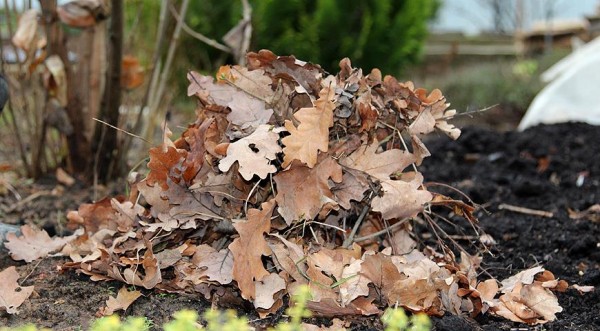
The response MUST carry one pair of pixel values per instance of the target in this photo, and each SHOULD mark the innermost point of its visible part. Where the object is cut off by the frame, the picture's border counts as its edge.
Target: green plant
(387, 34)
(113, 323)
(395, 319)
(296, 311)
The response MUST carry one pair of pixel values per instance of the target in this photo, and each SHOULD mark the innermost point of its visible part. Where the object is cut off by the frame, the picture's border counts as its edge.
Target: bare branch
(197, 35)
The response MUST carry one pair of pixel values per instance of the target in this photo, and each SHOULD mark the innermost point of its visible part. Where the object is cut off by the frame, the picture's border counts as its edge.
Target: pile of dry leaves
(291, 176)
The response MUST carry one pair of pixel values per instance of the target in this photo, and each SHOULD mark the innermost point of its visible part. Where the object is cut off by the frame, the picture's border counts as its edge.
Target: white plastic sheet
(573, 94)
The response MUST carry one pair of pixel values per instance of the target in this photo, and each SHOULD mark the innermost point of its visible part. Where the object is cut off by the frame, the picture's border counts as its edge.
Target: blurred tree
(387, 34)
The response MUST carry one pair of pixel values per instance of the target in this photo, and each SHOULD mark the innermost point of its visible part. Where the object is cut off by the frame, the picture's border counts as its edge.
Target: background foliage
(387, 34)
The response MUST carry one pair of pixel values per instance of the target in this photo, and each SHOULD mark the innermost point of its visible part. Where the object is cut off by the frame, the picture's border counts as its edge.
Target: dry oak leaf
(380, 269)
(246, 99)
(401, 199)
(379, 165)
(11, 294)
(149, 265)
(541, 300)
(123, 300)
(353, 186)
(528, 303)
(303, 192)
(252, 82)
(165, 162)
(287, 256)
(354, 283)
(35, 243)
(525, 277)
(217, 266)
(305, 74)
(441, 114)
(266, 290)
(195, 137)
(312, 134)
(254, 153)
(526, 300)
(249, 248)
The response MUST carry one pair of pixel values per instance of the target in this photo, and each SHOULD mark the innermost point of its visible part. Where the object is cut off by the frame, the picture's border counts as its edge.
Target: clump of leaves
(292, 178)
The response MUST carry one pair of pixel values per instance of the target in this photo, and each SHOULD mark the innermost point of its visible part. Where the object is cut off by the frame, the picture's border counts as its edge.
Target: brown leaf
(266, 290)
(254, 153)
(303, 192)
(401, 199)
(132, 73)
(216, 266)
(249, 248)
(592, 214)
(330, 307)
(26, 35)
(35, 244)
(420, 151)
(165, 162)
(541, 300)
(368, 113)
(56, 80)
(442, 115)
(123, 300)
(379, 165)
(352, 187)
(244, 92)
(11, 294)
(312, 135)
(288, 256)
(93, 216)
(64, 178)
(380, 270)
(151, 273)
(423, 124)
(354, 283)
(81, 13)
(523, 277)
(288, 68)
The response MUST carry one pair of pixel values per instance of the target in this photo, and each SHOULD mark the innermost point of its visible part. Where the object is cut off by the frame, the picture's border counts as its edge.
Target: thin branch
(121, 130)
(198, 35)
(362, 216)
(524, 210)
(380, 232)
(166, 70)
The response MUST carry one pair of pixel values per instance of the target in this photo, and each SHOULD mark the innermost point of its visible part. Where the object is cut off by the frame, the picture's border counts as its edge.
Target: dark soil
(537, 169)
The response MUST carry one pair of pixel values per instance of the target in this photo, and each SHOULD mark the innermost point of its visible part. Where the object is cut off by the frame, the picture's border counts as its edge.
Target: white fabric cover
(573, 93)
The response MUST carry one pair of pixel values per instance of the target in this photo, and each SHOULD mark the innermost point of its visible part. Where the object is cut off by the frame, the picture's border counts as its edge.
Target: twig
(469, 112)
(524, 210)
(250, 196)
(151, 87)
(32, 270)
(121, 130)
(380, 232)
(157, 97)
(198, 35)
(350, 238)
(11, 188)
(247, 17)
(327, 225)
(28, 199)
